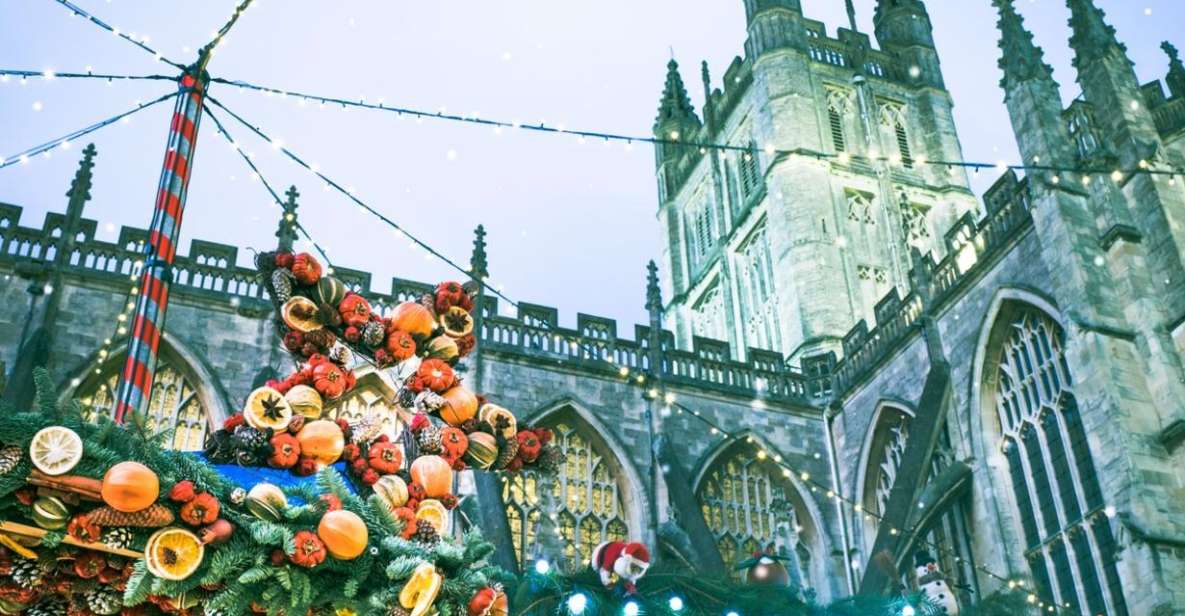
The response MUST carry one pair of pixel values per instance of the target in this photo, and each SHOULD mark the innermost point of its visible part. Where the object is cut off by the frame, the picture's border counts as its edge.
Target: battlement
(209, 273)
(972, 247)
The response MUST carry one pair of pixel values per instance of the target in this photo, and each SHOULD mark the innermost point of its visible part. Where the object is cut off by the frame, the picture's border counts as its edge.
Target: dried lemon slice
(421, 590)
(433, 511)
(173, 554)
(267, 408)
(55, 450)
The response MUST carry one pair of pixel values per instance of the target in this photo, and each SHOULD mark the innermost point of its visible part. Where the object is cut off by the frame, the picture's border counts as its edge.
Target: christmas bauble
(768, 572)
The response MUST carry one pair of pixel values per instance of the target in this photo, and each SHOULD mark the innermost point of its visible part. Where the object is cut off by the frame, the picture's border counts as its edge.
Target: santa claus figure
(618, 560)
(932, 583)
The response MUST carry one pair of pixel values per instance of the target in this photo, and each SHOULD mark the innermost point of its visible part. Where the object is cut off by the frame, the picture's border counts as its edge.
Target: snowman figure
(933, 584)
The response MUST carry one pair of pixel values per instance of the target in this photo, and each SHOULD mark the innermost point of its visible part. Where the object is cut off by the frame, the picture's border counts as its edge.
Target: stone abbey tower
(844, 359)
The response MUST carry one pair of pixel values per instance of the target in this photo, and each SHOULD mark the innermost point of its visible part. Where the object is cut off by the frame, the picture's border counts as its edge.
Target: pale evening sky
(569, 225)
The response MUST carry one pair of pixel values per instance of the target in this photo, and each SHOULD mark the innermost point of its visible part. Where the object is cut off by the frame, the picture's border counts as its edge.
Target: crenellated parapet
(209, 273)
(972, 248)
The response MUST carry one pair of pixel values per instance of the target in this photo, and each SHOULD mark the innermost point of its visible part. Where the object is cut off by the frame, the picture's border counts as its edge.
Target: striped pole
(135, 383)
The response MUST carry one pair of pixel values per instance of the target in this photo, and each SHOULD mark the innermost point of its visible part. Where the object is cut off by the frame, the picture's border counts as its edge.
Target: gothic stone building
(849, 356)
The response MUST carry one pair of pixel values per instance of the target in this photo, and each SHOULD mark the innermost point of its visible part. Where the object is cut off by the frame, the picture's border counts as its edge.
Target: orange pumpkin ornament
(454, 442)
(344, 534)
(434, 474)
(322, 440)
(461, 406)
(400, 344)
(413, 318)
(130, 487)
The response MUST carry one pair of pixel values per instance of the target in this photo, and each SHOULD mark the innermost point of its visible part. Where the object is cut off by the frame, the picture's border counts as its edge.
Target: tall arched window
(174, 404)
(751, 505)
(894, 125)
(581, 504)
(1070, 546)
(947, 538)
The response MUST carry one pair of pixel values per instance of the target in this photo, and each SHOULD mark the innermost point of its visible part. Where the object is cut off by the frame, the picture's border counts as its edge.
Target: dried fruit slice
(421, 589)
(457, 322)
(490, 413)
(267, 408)
(55, 450)
(300, 313)
(432, 510)
(173, 554)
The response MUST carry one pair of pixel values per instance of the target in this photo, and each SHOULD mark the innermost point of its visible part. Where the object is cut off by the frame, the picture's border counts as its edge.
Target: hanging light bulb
(577, 603)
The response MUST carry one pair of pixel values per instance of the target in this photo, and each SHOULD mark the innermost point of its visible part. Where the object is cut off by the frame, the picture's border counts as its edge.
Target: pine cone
(119, 537)
(367, 429)
(397, 610)
(373, 334)
(322, 338)
(238, 496)
(220, 447)
(282, 282)
(507, 452)
(155, 516)
(27, 573)
(10, 456)
(49, 606)
(425, 533)
(429, 440)
(341, 355)
(104, 600)
(250, 439)
(329, 315)
(406, 398)
(429, 402)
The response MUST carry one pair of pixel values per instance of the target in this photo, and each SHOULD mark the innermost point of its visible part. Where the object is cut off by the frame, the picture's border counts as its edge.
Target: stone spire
(675, 111)
(903, 27)
(1022, 60)
(286, 232)
(653, 292)
(851, 15)
(1176, 76)
(79, 194)
(1092, 37)
(478, 266)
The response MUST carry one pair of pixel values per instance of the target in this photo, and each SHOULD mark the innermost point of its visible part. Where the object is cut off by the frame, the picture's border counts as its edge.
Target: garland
(677, 591)
(223, 552)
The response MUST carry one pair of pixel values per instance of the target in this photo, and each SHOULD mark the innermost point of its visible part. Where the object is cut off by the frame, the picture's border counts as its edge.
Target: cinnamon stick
(84, 487)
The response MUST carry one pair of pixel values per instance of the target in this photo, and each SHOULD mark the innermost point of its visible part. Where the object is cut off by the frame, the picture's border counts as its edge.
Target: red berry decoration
(408, 515)
(285, 451)
(416, 492)
(232, 422)
(449, 501)
(355, 310)
(307, 466)
(203, 509)
(449, 294)
(385, 458)
(82, 529)
(332, 502)
(370, 477)
(466, 344)
(419, 422)
(306, 269)
(284, 260)
(310, 550)
(89, 564)
(351, 452)
(294, 341)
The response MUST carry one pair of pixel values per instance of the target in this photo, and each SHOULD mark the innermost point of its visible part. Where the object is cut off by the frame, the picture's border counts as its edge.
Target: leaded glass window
(751, 506)
(580, 504)
(839, 105)
(756, 288)
(947, 539)
(894, 122)
(1058, 498)
(709, 319)
(173, 404)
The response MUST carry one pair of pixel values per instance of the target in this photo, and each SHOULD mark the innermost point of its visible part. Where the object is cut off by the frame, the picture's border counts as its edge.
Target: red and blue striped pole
(135, 382)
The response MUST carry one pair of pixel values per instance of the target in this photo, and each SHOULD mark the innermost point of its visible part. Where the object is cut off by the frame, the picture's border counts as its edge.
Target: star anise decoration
(272, 408)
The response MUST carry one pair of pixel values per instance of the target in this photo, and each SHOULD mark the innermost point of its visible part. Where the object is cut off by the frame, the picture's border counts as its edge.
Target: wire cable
(842, 157)
(116, 31)
(64, 141)
(51, 75)
(350, 195)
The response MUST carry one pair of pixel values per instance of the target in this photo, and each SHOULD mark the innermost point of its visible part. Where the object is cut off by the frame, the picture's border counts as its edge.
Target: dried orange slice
(267, 408)
(55, 450)
(420, 592)
(490, 413)
(300, 313)
(457, 322)
(432, 510)
(173, 554)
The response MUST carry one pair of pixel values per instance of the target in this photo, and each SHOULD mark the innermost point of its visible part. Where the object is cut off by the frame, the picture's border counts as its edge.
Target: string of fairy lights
(651, 385)
(632, 377)
(65, 141)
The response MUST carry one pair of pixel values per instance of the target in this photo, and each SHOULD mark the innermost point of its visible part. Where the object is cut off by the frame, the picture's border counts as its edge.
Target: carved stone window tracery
(583, 495)
(173, 404)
